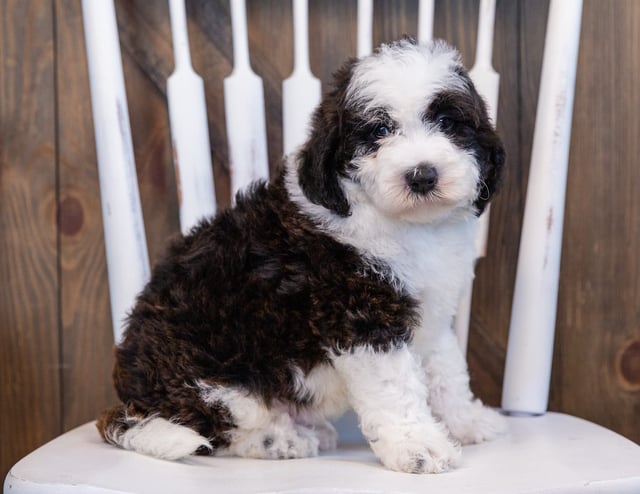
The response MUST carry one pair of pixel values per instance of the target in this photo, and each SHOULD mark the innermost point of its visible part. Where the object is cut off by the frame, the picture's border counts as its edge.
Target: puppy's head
(405, 131)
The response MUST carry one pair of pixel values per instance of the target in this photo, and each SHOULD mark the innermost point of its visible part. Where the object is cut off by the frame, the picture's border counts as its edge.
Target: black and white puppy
(335, 285)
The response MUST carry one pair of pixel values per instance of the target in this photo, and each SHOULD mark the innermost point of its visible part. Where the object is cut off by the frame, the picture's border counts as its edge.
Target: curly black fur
(240, 301)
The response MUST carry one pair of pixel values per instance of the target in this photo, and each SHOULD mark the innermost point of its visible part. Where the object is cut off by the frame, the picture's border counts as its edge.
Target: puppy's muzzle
(422, 179)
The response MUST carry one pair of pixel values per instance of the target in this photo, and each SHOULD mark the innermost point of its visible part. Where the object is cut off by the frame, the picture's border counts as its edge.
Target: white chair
(543, 452)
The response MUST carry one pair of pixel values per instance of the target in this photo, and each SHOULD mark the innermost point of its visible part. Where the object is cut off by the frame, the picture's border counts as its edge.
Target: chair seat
(551, 453)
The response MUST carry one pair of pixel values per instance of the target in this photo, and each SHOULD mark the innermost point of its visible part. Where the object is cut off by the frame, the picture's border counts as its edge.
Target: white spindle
(125, 243)
(189, 128)
(425, 20)
(244, 109)
(301, 91)
(365, 27)
(533, 317)
(487, 82)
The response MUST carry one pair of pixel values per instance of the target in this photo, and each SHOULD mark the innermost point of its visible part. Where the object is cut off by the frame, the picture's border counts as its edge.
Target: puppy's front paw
(475, 423)
(417, 451)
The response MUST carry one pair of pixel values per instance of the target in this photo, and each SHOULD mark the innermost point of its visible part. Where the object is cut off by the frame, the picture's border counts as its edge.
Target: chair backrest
(125, 242)
(528, 365)
(533, 312)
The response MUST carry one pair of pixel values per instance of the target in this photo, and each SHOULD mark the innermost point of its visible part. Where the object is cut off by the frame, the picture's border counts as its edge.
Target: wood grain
(85, 318)
(30, 411)
(332, 36)
(394, 19)
(596, 362)
(270, 25)
(146, 52)
(518, 49)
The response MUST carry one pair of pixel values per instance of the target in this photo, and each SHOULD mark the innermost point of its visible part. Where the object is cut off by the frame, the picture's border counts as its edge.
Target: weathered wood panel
(518, 48)
(149, 40)
(30, 411)
(85, 318)
(597, 354)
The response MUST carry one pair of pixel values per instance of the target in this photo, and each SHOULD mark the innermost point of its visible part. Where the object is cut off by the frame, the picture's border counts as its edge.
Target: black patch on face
(462, 116)
(343, 130)
(366, 130)
(340, 131)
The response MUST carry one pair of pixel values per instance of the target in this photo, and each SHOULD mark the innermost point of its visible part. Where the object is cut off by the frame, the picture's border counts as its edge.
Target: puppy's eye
(446, 123)
(381, 131)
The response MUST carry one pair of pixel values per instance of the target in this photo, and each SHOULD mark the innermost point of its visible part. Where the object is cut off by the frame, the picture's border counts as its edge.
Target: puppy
(333, 286)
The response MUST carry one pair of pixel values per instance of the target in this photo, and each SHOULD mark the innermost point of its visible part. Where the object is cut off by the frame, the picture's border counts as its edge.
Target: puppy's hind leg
(260, 431)
(151, 435)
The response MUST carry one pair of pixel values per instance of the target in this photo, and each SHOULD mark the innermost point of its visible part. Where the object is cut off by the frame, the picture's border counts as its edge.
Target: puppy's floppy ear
(491, 160)
(489, 151)
(318, 167)
(321, 159)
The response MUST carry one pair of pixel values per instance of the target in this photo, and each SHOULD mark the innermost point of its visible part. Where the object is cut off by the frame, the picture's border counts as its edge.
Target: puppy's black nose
(422, 179)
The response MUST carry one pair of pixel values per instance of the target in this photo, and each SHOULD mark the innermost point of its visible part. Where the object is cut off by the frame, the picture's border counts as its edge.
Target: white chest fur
(432, 262)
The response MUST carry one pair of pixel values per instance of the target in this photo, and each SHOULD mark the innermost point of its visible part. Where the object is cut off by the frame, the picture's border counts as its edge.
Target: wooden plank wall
(30, 385)
(55, 329)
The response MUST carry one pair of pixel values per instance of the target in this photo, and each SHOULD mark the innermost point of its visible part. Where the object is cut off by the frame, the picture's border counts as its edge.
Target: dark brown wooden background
(55, 329)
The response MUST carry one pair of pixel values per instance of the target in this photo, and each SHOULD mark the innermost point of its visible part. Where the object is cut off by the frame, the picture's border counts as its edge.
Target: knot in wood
(71, 216)
(629, 365)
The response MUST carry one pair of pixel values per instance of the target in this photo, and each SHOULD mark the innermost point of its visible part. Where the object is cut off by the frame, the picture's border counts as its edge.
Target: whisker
(484, 187)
